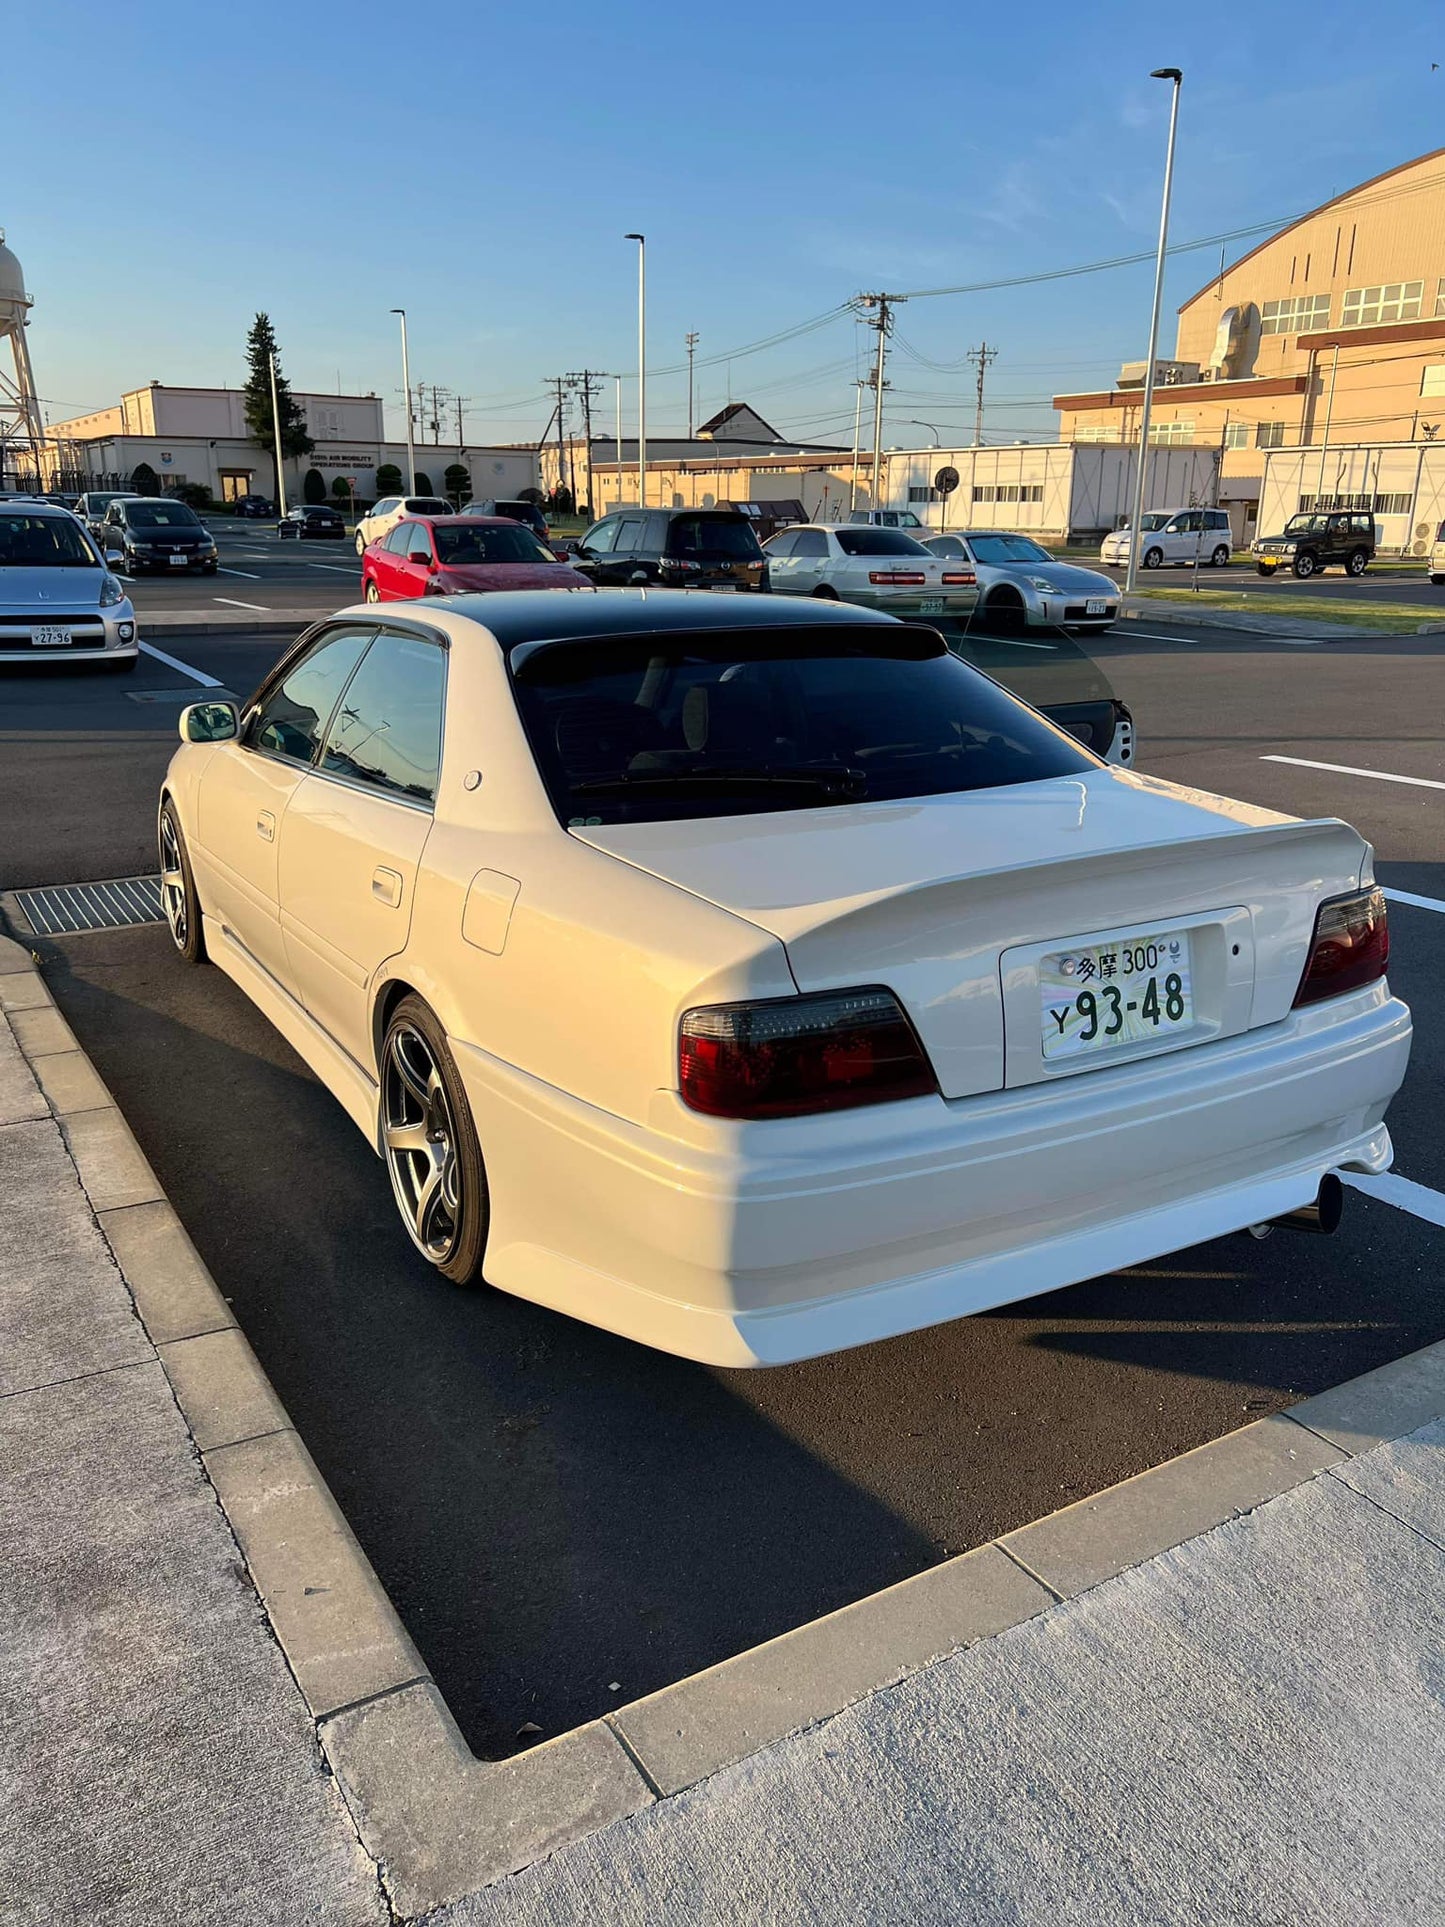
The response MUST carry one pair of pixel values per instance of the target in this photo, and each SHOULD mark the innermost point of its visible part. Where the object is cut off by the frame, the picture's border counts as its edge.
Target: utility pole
(857, 431)
(276, 424)
(880, 316)
(587, 384)
(980, 356)
(559, 382)
(692, 341)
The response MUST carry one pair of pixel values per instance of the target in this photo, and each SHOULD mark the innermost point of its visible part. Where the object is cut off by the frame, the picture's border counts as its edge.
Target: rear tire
(1153, 558)
(1359, 561)
(1220, 557)
(824, 594)
(178, 889)
(430, 1145)
(360, 543)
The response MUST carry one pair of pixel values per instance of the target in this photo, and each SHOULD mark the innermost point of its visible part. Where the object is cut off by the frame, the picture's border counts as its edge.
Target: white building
(1058, 491)
(199, 435)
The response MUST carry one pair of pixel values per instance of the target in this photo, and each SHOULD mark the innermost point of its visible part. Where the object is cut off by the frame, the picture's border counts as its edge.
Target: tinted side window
(781, 545)
(290, 720)
(388, 730)
(385, 506)
(398, 542)
(812, 542)
(629, 534)
(600, 539)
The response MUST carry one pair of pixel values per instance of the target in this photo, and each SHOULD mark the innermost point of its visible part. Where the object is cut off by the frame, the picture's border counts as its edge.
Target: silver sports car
(1021, 586)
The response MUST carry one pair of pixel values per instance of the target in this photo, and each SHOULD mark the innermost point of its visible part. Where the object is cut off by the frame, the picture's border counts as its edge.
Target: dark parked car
(682, 548)
(255, 507)
(142, 532)
(310, 520)
(525, 512)
(1313, 542)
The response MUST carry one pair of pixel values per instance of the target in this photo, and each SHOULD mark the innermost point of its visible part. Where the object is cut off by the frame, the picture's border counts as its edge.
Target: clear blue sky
(172, 168)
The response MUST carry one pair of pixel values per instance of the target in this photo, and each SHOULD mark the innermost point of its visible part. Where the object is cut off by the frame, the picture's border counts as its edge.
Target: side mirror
(209, 723)
(113, 557)
(422, 557)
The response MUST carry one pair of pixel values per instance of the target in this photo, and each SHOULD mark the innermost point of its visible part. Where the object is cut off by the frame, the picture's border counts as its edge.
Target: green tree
(313, 486)
(144, 480)
(388, 480)
(341, 488)
(457, 483)
(260, 348)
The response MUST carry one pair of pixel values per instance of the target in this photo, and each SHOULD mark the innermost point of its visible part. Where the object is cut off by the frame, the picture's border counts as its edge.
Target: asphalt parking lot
(258, 575)
(565, 1520)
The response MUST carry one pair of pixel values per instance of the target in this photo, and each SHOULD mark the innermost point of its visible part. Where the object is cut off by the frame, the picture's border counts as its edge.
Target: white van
(1437, 557)
(1175, 536)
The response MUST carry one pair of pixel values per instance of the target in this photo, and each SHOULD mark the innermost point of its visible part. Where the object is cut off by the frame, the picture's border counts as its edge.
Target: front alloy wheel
(1304, 564)
(430, 1144)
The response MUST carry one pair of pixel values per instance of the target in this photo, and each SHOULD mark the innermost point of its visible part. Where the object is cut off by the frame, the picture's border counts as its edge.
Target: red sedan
(459, 554)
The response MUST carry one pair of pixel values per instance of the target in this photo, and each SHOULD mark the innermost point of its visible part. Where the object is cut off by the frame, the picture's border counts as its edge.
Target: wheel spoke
(431, 1206)
(416, 1080)
(408, 1137)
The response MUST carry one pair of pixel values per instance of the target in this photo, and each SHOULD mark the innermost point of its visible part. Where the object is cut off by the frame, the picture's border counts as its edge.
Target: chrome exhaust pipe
(1322, 1216)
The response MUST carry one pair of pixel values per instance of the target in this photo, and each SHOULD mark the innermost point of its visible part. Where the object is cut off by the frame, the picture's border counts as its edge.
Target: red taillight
(791, 1055)
(963, 579)
(674, 565)
(895, 576)
(1351, 946)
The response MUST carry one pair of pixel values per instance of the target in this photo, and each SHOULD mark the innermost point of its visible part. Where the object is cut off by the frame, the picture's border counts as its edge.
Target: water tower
(21, 431)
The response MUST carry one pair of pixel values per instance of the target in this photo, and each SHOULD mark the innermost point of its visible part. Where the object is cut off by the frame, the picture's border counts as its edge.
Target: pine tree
(260, 347)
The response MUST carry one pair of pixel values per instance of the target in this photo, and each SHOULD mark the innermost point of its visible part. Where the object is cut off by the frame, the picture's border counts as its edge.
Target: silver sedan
(1020, 585)
(58, 600)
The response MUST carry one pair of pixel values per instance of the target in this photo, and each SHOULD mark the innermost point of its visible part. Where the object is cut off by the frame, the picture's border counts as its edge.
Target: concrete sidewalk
(157, 1761)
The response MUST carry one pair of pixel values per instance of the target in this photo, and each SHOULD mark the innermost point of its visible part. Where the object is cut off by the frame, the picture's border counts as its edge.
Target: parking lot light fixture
(641, 240)
(406, 387)
(1175, 77)
(915, 423)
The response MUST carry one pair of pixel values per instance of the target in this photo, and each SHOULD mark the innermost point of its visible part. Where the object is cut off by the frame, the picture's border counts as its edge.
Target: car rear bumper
(910, 602)
(745, 1245)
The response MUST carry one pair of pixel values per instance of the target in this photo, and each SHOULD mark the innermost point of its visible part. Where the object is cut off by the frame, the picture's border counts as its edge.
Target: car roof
(462, 515)
(545, 615)
(34, 505)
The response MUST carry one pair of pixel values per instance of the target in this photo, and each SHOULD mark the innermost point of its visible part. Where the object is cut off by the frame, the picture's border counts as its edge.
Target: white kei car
(759, 981)
(382, 517)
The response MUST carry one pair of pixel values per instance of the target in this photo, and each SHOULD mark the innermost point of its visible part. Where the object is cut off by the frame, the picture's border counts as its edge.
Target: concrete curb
(163, 629)
(440, 1823)
(1162, 610)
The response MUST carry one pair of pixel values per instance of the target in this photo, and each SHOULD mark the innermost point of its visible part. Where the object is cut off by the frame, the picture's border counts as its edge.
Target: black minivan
(683, 548)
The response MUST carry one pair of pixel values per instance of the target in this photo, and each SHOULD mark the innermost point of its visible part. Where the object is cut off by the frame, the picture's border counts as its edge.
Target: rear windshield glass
(427, 505)
(460, 544)
(662, 727)
(877, 542)
(1003, 549)
(161, 515)
(43, 542)
(721, 535)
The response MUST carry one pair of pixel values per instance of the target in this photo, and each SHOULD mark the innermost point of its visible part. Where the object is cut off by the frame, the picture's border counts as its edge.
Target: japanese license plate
(932, 605)
(1095, 606)
(1095, 997)
(48, 636)
(178, 561)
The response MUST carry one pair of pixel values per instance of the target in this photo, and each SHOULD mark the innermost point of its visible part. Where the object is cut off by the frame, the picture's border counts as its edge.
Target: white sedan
(759, 982)
(877, 567)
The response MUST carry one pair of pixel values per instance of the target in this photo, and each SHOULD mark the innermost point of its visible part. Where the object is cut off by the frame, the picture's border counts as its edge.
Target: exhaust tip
(1324, 1214)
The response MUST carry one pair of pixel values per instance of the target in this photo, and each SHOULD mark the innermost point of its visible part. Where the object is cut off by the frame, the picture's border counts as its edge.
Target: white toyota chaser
(756, 978)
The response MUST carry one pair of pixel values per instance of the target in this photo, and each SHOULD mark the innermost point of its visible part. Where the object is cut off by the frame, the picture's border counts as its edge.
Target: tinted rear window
(726, 536)
(427, 505)
(663, 727)
(865, 541)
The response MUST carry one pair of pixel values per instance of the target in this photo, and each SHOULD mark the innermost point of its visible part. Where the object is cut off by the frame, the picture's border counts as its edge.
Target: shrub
(195, 495)
(313, 486)
(388, 480)
(457, 483)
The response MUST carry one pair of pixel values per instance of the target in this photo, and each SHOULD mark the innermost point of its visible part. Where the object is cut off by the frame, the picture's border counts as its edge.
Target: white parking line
(261, 607)
(183, 668)
(244, 573)
(1420, 903)
(1403, 1193)
(334, 568)
(1348, 769)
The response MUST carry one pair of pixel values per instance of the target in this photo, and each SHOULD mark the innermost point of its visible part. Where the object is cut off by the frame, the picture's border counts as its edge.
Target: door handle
(386, 887)
(266, 826)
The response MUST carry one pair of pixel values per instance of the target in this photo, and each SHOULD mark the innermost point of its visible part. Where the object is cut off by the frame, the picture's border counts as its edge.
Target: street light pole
(641, 240)
(276, 426)
(1136, 533)
(915, 423)
(406, 384)
(857, 433)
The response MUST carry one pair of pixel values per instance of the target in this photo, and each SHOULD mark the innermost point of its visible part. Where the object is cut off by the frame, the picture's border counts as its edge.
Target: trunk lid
(955, 902)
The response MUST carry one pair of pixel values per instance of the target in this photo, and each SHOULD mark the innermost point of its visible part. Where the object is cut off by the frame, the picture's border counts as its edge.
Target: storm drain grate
(64, 908)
